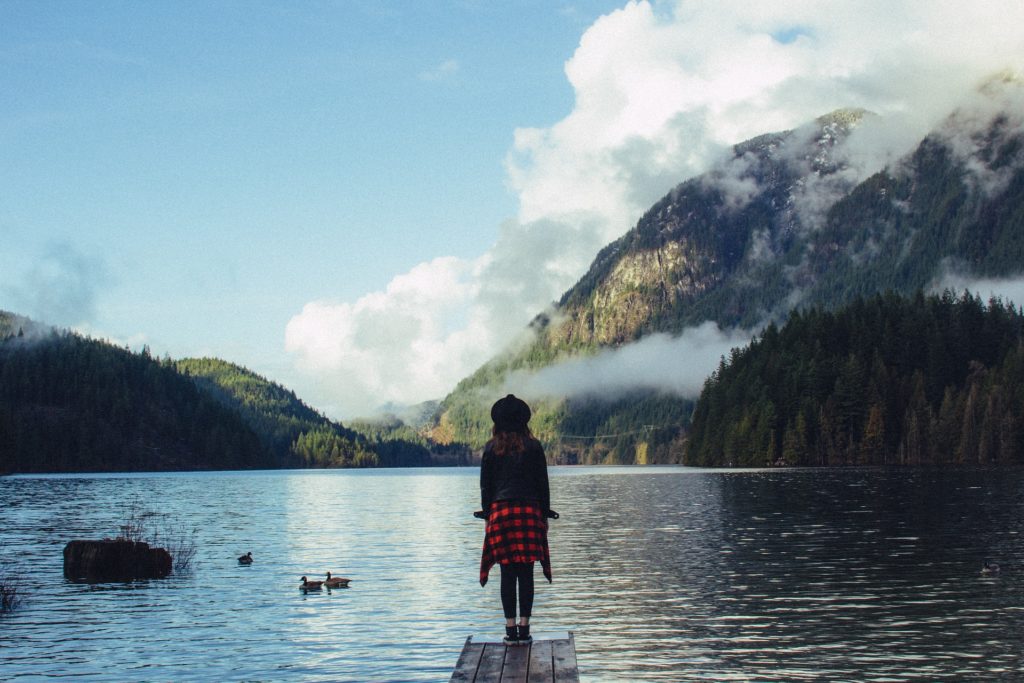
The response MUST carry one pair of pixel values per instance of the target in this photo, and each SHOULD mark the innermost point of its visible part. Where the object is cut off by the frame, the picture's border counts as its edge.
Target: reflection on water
(784, 575)
(665, 574)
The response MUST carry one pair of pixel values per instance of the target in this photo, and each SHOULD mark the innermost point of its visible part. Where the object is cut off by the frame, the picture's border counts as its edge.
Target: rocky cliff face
(733, 220)
(641, 286)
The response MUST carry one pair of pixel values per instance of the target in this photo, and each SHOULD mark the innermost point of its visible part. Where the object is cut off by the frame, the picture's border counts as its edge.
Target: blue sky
(366, 200)
(211, 167)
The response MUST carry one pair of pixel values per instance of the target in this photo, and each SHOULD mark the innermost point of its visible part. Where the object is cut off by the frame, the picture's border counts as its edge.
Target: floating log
(550, 658)
(117, 560)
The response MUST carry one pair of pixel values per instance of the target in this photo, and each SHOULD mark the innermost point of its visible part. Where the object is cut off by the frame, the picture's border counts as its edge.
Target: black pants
(520, 573)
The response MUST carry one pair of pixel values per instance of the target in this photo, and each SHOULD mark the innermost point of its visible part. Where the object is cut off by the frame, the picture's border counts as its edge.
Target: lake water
(665, 574)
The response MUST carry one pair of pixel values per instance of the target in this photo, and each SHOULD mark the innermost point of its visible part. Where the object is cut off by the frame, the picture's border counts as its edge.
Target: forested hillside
(782, 223)
(69, 403)
(297, 435)
(889, 380)
(398, 444)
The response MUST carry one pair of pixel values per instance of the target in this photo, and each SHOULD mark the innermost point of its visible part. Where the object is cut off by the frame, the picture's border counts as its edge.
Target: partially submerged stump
(118, 560)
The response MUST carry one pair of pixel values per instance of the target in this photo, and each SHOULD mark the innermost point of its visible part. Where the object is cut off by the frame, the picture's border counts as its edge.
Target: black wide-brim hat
(510, 413)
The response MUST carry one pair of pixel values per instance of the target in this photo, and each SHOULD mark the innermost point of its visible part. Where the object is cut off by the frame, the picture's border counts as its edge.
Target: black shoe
(524, 634)
(511, 638)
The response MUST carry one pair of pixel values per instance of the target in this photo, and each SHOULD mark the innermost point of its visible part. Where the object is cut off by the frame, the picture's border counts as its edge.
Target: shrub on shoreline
(176, 538)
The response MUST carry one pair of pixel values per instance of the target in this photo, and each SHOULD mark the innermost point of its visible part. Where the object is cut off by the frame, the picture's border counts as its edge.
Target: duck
(989, 568)
(310, 585)
(336, 581)
(245, 559)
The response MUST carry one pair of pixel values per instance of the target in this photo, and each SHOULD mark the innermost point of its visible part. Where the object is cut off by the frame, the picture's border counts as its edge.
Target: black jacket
(515, 476)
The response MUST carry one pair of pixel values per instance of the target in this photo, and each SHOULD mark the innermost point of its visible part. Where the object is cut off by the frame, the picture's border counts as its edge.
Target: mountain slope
(783, 222)
(286, 425)
(70, 404)
(299, 436)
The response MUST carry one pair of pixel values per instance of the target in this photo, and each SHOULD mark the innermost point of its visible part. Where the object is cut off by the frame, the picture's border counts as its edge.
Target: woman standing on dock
(516, 500)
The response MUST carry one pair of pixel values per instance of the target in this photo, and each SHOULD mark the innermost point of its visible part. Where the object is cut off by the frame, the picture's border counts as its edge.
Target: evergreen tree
(855, 386)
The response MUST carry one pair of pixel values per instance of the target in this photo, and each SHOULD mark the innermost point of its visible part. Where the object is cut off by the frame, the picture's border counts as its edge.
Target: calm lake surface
(665, 574)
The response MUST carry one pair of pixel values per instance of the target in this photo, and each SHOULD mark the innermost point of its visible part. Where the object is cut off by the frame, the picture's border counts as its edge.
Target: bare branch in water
(140, 524)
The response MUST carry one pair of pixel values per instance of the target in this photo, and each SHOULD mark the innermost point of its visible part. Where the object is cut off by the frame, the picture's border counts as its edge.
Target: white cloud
(1010, 290)
(660, 91)
(395, 345)
(61, 287)
(967, 133)
(678, 365)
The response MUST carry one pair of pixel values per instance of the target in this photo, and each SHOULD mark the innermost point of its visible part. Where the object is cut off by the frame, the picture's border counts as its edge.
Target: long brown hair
(510, 442)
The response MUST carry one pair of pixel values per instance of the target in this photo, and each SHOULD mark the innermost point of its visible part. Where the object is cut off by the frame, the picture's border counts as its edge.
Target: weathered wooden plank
(491, 663)
(469, 661)
(550, 659)
(517, 662)
(541, 667)
(563, 657)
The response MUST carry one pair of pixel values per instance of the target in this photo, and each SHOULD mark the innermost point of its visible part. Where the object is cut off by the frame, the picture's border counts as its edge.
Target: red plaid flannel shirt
(517, 531)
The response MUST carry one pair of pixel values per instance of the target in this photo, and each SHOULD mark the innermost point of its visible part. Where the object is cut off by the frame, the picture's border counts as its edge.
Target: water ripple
(665, 574)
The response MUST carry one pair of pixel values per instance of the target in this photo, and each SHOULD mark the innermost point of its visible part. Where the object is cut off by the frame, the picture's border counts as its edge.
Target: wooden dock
(550, 658)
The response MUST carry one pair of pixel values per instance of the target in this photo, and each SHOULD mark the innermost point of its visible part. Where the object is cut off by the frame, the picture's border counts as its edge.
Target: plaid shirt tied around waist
(517, 531)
